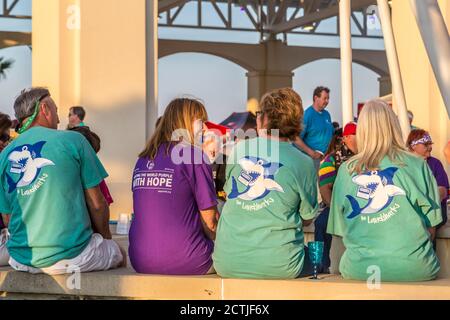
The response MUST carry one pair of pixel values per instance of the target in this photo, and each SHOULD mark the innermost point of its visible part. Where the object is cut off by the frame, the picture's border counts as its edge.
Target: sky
(219, 83)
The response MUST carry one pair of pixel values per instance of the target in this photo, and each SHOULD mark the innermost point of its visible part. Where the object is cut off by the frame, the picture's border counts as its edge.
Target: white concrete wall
(423, 97)
(102, 67)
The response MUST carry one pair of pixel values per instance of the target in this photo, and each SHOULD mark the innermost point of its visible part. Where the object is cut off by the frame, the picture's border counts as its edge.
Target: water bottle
(123, 224)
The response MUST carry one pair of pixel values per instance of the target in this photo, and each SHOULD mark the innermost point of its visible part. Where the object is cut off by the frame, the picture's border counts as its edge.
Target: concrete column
(255, 85)
(151, 39)
(385, 85)
(346, 60)
(394, 67)
(434, 33)
(93, 53)
(260, 82)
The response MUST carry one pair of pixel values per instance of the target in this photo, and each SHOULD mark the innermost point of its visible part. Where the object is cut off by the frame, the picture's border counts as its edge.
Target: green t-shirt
(43, 174)
(383, 218)
(260, 230)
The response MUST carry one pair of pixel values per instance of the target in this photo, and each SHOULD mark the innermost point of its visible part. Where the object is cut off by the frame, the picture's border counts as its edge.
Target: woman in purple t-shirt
(174, 199)
(419, 141)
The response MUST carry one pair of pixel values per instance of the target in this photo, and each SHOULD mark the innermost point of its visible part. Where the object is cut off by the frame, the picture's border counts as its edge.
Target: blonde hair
(284, 110)
(179, 115)
(378, 135)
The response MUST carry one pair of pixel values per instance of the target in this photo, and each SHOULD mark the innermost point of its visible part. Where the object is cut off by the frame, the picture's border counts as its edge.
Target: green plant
(4, 66)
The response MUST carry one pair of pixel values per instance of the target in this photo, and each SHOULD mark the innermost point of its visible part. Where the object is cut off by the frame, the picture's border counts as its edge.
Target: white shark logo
(23, 162)
(378, 188)
(257, 175)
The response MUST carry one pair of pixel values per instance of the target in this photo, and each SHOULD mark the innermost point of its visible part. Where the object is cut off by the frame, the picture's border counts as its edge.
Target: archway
(219, 83)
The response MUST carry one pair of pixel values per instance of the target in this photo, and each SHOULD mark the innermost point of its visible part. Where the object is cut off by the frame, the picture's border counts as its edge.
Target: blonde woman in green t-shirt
(385, 205)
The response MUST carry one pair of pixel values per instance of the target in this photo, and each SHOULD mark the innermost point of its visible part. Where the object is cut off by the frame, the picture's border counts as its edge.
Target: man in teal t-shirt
(49, 188)
(383, 217)
(260, 230)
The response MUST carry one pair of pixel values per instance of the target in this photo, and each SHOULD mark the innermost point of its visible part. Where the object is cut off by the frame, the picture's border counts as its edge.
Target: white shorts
(100, 254)
(4, 254)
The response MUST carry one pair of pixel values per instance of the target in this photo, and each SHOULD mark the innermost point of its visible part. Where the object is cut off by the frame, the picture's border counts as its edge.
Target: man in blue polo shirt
(317, 127)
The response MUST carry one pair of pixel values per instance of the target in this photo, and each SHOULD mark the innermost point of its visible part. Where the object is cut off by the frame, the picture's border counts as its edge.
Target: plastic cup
(315, 249)
(122, 224)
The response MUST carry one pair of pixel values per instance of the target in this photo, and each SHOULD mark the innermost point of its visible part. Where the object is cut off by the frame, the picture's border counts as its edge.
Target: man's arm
(302, 145)
(209, 219)
(98, 211)
(326, 192)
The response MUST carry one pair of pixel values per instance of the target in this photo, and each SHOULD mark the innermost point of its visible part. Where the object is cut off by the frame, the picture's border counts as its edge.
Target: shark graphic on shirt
(26, 161)
(378, 188)
(258, 176)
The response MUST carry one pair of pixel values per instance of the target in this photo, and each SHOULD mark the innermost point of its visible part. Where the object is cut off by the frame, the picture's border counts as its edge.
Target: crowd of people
(238, 211)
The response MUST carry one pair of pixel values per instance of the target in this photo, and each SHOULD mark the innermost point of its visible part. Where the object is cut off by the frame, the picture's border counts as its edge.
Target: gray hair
(26, 102)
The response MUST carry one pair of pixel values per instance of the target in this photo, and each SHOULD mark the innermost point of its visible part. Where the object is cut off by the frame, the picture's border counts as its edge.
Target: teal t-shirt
(383, 218)
(270, 187)
(317, 129)
(43, 175)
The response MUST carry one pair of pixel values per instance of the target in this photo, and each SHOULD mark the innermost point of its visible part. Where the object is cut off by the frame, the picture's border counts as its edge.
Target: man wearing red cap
(349, 136)
(339, 151)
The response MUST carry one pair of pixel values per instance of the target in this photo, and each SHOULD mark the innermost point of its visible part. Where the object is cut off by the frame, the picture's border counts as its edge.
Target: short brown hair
(318, 91)
(284, 110)
(79, 111)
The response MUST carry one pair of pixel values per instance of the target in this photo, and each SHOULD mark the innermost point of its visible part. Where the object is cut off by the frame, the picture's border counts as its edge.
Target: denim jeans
(320, 234)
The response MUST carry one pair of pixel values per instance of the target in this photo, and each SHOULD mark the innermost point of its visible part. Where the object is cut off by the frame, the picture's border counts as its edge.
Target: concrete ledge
(121, 283)
(333, 287)
(125, 284)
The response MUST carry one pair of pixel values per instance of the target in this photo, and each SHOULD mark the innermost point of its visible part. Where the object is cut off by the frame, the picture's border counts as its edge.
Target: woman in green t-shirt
(271, 190)
(385, 205)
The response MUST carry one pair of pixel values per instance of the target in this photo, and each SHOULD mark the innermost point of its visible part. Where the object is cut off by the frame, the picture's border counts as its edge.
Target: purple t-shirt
(166, 235)
(442, 181)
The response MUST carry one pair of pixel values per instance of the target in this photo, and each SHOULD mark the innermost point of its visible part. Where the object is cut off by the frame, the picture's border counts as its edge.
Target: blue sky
(219, 83)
